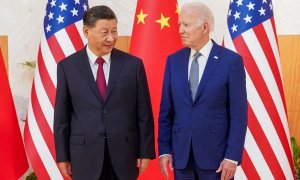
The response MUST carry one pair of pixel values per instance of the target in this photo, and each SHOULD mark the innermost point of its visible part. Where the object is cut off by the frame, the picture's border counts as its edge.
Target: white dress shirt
(94, 65)
(202, 60)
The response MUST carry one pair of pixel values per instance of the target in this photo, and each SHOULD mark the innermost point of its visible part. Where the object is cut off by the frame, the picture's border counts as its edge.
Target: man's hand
(142, 164)
(65, 169)
(228, 170)
(164, 161)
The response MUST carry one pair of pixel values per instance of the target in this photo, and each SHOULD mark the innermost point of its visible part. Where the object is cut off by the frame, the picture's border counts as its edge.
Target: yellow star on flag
(177, 9)
(163, 21)
(141, 17)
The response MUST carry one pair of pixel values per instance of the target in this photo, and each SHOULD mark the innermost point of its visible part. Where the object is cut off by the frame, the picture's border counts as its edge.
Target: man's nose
(110, 37)
(180, 30)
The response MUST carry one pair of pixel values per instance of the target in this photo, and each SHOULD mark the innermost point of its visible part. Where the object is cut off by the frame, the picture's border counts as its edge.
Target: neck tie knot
(100, 60)
(196, 55)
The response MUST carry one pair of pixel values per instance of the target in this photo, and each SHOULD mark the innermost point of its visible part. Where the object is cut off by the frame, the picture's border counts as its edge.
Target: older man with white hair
(203, 111)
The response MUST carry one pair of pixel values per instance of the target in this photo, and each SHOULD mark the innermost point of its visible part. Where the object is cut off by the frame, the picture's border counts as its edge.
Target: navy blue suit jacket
(82, 120)
(214, 125)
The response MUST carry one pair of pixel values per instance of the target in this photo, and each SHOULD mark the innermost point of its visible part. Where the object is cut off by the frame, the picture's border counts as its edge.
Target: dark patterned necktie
(100, 80)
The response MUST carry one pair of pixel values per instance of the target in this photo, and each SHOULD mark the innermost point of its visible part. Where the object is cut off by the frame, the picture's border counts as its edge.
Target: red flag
(62, 36)
(13, 160)
(155, 35)
(251, 32)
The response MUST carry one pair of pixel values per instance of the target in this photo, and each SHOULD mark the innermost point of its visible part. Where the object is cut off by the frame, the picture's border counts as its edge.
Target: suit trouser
(108, 172)
(193, 172)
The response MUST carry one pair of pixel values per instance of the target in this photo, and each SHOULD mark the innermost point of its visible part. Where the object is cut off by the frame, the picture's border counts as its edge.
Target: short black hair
(98, 12)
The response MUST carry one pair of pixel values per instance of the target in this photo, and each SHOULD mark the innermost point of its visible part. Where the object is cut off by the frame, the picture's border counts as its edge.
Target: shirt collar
(92, 57)
(205, 50)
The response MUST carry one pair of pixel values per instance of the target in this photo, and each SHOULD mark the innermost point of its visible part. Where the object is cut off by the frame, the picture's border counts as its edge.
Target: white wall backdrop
(22, 21)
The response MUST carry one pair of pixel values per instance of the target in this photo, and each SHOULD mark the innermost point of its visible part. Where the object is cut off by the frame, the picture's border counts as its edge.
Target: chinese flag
(13, 161)
(155, 35)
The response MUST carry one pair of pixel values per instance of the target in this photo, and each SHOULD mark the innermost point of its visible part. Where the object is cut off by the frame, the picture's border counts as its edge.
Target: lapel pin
(216, 57)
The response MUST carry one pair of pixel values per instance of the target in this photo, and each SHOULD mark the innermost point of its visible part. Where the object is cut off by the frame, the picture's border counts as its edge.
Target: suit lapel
(184, 63)
(115, 69)
(85, 68)
(211, 65)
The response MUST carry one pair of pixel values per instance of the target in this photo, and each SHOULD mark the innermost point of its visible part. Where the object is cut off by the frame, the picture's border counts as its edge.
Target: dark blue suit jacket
(82, 120)
(215, 123)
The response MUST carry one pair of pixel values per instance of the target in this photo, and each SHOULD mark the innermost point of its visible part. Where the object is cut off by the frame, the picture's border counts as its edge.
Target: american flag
(251, 32)
(62, 36)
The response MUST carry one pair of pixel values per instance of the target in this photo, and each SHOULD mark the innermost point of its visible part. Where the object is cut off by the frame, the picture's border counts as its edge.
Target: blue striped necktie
(194, 75)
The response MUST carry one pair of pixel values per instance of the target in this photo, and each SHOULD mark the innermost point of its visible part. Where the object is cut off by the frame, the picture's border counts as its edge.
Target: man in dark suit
(103, 123)
(203, 111)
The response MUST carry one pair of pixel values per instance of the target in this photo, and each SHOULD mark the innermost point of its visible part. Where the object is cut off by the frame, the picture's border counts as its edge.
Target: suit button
(105, 111)
(108, 135)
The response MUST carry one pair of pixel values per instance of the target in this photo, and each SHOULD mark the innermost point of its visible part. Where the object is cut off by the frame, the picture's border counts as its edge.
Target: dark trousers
(108, 172)
(193, 172)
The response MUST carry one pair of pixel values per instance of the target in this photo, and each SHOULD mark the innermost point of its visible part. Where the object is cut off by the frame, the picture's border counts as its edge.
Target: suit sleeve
(145, 116)
(166, 114)
(238, 111)
(62, 117)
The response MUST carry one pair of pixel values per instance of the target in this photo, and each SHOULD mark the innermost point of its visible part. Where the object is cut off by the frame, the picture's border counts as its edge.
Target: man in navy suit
(103, 123)
(203, 111)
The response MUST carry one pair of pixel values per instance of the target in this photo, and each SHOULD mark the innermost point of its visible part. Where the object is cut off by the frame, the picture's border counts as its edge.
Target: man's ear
(205, 27)
(85, 31)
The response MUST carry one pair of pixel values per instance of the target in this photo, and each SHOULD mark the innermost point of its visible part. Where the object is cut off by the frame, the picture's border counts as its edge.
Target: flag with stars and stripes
(62, 36)
(251, 33)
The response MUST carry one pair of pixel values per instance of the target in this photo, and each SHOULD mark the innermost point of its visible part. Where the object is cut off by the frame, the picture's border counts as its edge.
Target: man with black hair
(103, 122)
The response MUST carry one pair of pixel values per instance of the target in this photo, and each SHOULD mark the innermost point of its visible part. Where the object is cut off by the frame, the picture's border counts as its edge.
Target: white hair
(204, 12)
